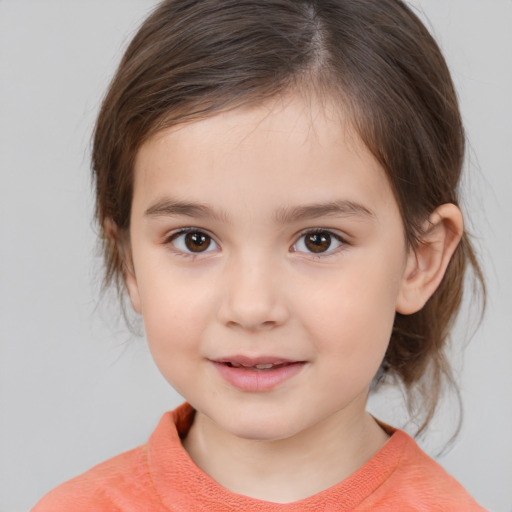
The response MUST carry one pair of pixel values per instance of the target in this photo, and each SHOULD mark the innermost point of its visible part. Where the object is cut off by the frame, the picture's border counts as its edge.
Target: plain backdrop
(75, 386)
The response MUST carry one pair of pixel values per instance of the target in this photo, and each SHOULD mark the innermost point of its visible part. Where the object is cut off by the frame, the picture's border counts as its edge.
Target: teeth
(262, 366)
(265, 366)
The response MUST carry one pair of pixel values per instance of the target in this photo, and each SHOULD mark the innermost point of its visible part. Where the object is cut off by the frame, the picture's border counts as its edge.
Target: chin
(262, 429)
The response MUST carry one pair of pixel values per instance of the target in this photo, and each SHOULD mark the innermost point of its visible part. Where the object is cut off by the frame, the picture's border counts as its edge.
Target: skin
(258, 289)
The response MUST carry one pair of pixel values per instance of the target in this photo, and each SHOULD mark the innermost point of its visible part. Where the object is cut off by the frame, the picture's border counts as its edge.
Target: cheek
(175, 313)
(352, 346)
(172, 322)
(351, 316)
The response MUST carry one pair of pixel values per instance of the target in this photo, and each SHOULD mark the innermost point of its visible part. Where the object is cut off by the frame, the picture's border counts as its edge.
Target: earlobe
(427, 262)
(132, 287)
(130, 279)
(122, 245)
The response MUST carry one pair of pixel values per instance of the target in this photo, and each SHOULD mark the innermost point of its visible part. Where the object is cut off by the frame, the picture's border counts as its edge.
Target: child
(277, 191)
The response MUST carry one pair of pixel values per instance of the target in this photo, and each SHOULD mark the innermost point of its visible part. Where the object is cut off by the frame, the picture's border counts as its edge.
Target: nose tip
(252, 321)
(254, 299)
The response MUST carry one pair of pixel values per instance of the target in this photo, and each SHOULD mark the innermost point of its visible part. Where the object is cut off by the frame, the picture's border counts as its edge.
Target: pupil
(318, 242)
(197, 242)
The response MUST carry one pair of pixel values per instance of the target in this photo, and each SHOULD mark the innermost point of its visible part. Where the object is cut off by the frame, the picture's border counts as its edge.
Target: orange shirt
(160, 477)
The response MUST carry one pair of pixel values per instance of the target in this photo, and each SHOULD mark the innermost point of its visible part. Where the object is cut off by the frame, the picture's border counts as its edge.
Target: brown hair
(193, 58)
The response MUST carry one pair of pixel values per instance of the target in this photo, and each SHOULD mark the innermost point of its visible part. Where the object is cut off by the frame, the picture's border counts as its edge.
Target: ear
(427, 262)
(130, 280)
(121, 243)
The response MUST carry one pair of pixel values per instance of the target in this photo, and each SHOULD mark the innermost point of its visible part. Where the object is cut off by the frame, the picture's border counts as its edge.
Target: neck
(290, 469)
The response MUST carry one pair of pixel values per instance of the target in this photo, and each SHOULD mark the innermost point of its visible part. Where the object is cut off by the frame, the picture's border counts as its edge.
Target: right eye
(193, 242)
(318, 241)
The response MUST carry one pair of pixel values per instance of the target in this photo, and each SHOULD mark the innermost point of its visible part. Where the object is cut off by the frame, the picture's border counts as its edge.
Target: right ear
(121, 242)
(131, 285)
(132, 288)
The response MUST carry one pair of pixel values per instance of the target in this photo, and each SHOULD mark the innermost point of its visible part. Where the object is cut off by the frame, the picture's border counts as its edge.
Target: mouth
(256, 363)
(257, 367)
(257, 374)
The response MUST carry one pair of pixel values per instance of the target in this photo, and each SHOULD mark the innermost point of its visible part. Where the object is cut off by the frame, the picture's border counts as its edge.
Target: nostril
(252, 307)
(252, 326)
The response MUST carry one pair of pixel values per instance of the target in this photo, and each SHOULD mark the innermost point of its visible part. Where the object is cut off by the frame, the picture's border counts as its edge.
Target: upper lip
(253, 361)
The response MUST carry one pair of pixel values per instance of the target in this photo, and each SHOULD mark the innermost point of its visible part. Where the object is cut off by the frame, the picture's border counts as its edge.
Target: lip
(248, 378)
(253, 361)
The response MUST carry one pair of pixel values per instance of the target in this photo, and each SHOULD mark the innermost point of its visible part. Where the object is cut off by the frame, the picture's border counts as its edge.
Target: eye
(318, 242)
(193, 241)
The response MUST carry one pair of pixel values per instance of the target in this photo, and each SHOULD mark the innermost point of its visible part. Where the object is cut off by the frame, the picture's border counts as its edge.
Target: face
(268, 257)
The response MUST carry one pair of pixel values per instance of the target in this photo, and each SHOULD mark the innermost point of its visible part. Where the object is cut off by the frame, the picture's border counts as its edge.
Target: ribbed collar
(178, 480)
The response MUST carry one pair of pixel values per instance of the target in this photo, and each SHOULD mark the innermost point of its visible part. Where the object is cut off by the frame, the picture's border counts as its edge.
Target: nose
(254, 298)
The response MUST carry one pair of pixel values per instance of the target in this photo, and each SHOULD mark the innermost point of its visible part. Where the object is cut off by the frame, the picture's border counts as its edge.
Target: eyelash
(332, 237)
(171, 239)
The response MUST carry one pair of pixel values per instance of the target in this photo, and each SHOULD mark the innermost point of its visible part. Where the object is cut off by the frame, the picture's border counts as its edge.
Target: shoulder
(105, 487)
(127, 482)
(419, 483)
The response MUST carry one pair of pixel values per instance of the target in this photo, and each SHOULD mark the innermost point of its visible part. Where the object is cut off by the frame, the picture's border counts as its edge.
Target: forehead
(286, 150)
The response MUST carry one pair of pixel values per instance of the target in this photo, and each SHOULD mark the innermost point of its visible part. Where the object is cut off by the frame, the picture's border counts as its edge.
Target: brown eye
(197, 242)
(193, 242)
(318, 242)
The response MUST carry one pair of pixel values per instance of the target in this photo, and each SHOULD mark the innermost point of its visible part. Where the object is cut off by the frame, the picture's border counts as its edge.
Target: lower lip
(258, 380)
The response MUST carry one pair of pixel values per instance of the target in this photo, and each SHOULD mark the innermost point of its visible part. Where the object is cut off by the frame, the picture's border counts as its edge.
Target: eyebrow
(341, 208)
(171, 208)
(285, 215)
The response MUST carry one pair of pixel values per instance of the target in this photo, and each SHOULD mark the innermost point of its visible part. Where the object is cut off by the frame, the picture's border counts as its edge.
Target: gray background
(75, 387)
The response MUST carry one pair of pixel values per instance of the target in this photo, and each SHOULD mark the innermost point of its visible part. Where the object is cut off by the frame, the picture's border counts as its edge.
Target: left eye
(193, 242)
(318, 242)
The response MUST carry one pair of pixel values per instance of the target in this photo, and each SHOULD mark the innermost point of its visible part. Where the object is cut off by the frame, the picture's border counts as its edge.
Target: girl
(276, 186)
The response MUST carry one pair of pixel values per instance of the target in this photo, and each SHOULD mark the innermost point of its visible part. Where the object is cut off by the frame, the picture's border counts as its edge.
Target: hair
(191, 59)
